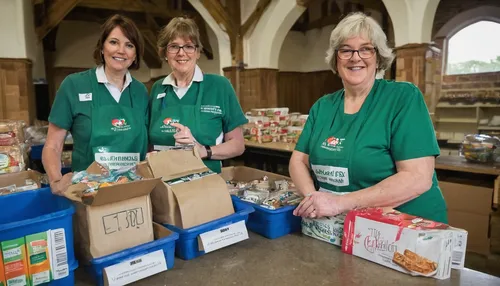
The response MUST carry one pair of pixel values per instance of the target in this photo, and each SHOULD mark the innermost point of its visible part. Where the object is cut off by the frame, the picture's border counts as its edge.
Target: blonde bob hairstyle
(359, 24)
(178, 27)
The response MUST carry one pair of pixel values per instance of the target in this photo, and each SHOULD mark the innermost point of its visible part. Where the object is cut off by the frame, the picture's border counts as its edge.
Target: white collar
(198, 76)
(102, 78)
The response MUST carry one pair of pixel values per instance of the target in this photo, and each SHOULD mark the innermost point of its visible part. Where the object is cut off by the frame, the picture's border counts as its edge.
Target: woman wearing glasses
(370, 144)
(190, 107)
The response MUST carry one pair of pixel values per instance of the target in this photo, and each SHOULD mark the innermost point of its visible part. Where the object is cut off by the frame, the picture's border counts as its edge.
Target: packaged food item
(256, 196)
(11, 159)
(403, 242)
(37, 246)
(480, 148)
(107, 178)
(2, 271)
(11, 132)
(15, 264)
(328, 229)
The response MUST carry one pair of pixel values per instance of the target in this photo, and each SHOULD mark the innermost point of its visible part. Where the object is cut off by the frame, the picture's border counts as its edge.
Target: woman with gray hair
(370, 144)
(191, 107)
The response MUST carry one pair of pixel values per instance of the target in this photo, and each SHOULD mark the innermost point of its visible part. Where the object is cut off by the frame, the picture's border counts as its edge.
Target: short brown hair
(178, 27)
(129, 29)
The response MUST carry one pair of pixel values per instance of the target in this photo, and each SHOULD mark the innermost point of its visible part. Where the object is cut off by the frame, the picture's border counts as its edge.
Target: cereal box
(37, 246)
(400, 241)
(14, 257)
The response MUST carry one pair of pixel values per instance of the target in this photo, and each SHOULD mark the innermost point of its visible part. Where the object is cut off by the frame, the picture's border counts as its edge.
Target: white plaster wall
(12, 29)
(292, 52)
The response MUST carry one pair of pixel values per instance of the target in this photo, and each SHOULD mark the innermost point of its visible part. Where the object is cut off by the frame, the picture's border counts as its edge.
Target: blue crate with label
(199, 240)
(136, 263)
(271, 223)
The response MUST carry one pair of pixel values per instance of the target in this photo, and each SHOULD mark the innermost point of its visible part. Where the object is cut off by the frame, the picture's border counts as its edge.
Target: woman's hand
(184, 136)
(321, 204)
(59, 187)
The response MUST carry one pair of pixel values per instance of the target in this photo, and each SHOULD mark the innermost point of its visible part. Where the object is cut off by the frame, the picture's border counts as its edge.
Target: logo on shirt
(167, 127)
(120, 125)
(333, 143)
(214, 109)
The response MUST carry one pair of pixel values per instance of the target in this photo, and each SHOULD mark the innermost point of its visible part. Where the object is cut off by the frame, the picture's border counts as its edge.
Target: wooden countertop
(452, 163)
(455, 163)
(285, 147)
(291, 260)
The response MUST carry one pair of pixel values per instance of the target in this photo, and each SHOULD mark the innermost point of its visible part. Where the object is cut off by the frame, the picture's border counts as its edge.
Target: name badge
(85, 96)
(336, 176)
(160, 95)
(222, 237)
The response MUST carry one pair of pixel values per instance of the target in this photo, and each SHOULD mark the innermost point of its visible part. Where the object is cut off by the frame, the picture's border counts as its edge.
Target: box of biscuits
(403, 242)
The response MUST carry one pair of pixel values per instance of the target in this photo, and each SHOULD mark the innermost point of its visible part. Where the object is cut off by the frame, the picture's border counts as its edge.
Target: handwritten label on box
(136, 269)
(132, 218)
(222, 237)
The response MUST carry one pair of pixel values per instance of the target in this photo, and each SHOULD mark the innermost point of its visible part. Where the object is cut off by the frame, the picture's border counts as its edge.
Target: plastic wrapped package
(480, 148)
(11, 159)
(11, 132)
(36, 135)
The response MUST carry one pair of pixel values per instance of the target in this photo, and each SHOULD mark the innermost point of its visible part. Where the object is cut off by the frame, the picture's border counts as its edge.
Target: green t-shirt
(209, 108)
(72, 111)
(396, 127)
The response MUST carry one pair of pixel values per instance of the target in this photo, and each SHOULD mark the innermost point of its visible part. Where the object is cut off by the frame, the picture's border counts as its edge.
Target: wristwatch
(209, 152)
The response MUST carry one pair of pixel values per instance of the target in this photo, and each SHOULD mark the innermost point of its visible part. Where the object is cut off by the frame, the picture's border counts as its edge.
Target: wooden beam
(219, 14)
(132, 6)
(207, 48)
(55, 14)
(255, 16)
(150, 51)
(320, 23)
(304, 3)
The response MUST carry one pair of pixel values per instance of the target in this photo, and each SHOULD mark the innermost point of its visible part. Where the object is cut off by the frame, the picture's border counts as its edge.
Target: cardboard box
(19, 179)
(469, 208)
(119, 217)
(139, 267)
(477, 226)
(467, 198)
(394, 239)
(15, 264)
(190, 203)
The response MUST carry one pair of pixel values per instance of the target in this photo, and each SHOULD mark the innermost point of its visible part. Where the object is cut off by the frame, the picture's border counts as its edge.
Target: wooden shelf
(457, 120)
(461, 105)
(489, 128)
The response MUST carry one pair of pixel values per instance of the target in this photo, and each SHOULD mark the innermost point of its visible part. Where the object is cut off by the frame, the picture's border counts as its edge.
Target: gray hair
(358, 24)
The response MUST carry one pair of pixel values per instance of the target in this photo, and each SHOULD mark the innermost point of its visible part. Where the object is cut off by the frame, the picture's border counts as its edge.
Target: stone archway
(469, 17)
(222, 37)
(263, 45)
(412, 20)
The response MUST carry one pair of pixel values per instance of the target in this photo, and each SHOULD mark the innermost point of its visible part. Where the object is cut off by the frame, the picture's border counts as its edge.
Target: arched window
(474, 49)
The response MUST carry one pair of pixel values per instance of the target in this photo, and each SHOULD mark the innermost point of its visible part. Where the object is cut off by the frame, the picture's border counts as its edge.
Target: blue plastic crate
(167, 244)
(37, 211)
(68, 280)
(36, 152)
(187, 246)
(271, 223)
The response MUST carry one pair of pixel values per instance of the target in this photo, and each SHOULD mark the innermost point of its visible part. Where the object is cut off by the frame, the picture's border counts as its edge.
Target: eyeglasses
(364, 53)
(188, 49)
